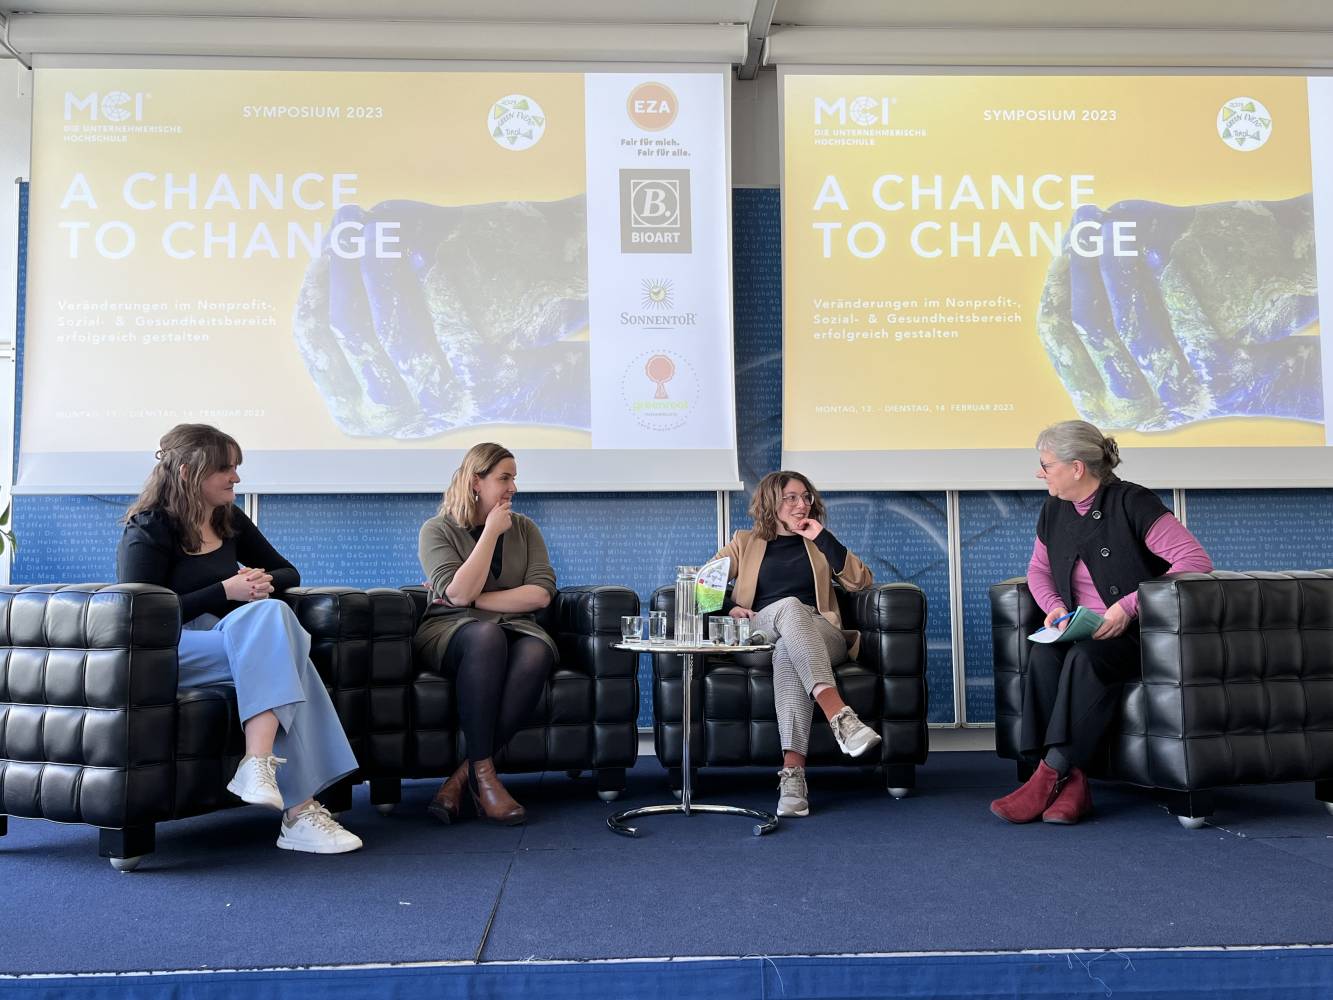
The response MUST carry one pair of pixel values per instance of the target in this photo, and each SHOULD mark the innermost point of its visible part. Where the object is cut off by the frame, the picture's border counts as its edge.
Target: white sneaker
(854, 736)
(792, 800)
(255, 781)
(315, 831)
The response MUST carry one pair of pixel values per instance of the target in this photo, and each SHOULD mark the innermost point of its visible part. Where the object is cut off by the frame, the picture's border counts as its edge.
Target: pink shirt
(1167, 539)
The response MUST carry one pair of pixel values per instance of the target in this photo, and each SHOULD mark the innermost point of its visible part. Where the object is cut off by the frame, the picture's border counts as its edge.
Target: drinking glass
(728, 631)
(716, 633)
(631, 628)
(657, 630)
(742, 631)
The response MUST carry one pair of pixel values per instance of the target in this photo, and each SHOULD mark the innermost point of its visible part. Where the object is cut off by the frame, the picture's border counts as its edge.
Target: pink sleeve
(1172, 541)
(1040, 581)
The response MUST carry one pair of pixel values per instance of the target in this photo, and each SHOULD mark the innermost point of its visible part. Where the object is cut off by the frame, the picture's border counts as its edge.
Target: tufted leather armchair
(1237, 685)
(586, 718)
(734, 722)
(93, 729)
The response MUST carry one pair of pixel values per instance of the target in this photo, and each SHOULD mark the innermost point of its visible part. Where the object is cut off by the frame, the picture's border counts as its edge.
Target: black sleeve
(147, 554)
(253, 549)
(833, 550)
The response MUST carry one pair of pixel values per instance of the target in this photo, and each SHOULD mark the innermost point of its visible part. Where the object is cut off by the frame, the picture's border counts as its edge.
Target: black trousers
(1071, 693)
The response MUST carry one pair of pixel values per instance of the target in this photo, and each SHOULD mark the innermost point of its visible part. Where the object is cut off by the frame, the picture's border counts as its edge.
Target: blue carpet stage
(929, 896)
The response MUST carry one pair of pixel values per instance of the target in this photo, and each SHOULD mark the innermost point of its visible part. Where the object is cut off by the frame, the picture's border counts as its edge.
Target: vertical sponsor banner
(658, 267)
(1321, 172)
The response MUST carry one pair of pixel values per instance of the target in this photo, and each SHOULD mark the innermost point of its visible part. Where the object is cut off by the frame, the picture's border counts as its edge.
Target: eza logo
(863, 111)
(113, 106)
(652, 106)
(654, 211)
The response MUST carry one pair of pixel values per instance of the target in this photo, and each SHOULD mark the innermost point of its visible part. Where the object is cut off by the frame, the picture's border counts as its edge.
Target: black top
(150, 552)
(497, 557)
(1109, 538)
(785, 570)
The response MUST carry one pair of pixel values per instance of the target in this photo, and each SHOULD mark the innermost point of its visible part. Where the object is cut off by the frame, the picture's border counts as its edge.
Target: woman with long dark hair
(185, 532)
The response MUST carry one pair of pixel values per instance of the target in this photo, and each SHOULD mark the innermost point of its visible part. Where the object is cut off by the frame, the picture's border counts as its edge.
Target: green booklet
(1080, 625)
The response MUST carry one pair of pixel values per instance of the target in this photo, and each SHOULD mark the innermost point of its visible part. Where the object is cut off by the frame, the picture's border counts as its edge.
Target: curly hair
(767, 499)
(480, 459)
(186, 456)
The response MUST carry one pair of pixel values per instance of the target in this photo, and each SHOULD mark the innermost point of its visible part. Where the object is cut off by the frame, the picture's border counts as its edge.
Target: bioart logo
(652, 106)
(112, 106)
(1244, 124)
(660, 390)
(659, 314)
(516, 122)
(654, 211)
(868, 112)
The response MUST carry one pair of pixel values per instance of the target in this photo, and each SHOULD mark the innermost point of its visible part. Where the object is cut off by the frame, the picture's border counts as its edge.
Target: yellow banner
(969, 259)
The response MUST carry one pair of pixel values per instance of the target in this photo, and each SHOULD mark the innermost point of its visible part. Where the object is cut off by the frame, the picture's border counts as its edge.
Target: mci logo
(112, 106)
(654, 211)
(864, 111)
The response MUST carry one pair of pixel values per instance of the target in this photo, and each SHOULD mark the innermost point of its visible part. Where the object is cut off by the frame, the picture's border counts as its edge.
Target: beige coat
(444, 545)
(746, 550)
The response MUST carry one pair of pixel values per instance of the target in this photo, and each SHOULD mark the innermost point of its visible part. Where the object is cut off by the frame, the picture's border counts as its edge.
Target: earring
(476, 498)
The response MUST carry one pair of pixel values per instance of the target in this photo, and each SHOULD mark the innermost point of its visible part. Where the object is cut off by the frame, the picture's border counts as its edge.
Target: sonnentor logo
(1244, 124)
(112, 106)
(659, 293)
(864, 111)
(652, 106)
(654, 211)
(516, 122)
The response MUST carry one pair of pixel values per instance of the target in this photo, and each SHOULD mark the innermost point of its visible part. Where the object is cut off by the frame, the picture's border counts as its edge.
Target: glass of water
(631, 628)
(742, 631)
(716, 631)
(657, 626)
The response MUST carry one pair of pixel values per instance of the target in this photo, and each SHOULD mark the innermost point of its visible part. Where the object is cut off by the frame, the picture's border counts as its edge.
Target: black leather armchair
(1236, 688)
(586, 718)
(733, 722)
(93, 729)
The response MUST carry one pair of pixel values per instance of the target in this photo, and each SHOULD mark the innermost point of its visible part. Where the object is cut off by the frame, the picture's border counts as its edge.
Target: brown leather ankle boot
(445, 805)
(492, 799)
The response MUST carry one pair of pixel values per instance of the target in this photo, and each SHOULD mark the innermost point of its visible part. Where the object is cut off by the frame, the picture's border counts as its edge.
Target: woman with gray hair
(1098, 538)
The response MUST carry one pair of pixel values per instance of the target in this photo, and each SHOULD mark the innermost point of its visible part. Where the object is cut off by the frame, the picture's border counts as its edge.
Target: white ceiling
(691, 30)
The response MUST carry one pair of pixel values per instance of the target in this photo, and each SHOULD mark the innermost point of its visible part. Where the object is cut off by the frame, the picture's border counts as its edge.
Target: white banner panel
(361, 274)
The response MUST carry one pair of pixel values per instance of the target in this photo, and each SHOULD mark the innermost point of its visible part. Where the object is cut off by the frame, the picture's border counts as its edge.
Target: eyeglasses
(792, 499)
(1048, 466)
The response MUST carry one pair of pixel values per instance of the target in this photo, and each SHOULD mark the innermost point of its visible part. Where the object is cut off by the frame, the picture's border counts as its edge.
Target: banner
(360, 275)
(968, 259)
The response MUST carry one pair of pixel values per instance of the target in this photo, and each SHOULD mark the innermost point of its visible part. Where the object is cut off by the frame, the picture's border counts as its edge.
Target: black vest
(1109, 539)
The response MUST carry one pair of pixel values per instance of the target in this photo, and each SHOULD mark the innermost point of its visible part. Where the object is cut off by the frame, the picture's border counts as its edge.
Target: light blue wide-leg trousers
(262, 651)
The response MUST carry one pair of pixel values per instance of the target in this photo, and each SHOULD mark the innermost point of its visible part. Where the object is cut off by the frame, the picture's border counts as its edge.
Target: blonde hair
(767, 500)
(1080, 441)
(186, 456)
(480, 459)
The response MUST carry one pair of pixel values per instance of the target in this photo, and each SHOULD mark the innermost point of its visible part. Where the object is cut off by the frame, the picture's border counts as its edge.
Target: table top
(671, 646)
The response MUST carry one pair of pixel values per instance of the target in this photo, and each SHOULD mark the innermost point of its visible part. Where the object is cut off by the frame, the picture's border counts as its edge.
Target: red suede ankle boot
(1073, 802)
(1031, 799)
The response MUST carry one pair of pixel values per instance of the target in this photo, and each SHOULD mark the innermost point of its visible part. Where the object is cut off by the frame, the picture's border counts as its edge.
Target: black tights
(498, 678)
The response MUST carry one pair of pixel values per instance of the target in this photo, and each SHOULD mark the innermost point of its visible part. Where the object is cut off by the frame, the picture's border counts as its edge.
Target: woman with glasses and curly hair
(784, 568)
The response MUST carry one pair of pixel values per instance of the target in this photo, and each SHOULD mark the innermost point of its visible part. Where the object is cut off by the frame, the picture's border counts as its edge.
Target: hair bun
(1111, 451)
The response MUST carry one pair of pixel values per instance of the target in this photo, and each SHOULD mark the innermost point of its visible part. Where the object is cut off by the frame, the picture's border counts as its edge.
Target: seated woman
(784, 570)
(488, 572)
(1098, 538)
(186, 533)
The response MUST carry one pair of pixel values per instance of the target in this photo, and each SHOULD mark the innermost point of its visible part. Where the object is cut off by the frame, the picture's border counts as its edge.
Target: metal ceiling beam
(761, 22)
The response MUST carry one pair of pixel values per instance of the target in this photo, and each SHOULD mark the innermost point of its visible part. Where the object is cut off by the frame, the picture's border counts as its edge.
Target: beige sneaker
(256, 781)
(315, 831)
(792, 800)
(854, 736)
